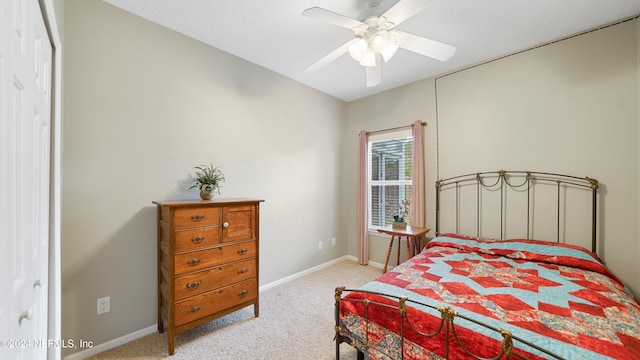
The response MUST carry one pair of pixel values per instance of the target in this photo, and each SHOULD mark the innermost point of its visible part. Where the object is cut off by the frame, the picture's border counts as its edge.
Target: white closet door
(25, 115)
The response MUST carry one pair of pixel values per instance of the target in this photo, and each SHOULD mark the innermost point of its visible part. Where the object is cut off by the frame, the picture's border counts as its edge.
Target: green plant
(208, 178)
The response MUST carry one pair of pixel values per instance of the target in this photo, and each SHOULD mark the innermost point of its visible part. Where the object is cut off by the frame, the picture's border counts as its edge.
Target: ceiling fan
(376, 38)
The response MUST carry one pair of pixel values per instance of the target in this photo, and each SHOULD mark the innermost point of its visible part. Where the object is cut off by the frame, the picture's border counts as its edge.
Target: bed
(467, 295)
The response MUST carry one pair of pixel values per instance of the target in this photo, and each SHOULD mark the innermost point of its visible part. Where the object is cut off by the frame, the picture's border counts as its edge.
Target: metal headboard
(523, 181)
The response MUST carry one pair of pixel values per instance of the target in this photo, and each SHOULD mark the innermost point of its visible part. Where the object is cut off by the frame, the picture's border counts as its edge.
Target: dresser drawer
(213, 278)
(196, 216)
(195, 238)
(202, 259)
(211, 302)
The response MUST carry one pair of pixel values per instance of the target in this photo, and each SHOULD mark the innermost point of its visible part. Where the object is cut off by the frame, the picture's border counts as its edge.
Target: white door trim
(54, 331)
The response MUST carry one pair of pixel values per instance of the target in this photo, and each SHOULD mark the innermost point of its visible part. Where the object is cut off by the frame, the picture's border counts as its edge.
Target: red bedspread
(556, 296)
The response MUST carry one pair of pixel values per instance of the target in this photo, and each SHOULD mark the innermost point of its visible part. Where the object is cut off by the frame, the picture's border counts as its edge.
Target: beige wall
(142, 106)
(569, 107)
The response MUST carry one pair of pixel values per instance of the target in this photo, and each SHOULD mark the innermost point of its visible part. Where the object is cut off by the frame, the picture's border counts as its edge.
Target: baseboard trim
(112, 343)
(302, 273)
(81, 355)
(314, 269)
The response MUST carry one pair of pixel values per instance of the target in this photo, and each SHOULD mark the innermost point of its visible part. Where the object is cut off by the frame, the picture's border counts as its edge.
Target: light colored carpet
(296, 322)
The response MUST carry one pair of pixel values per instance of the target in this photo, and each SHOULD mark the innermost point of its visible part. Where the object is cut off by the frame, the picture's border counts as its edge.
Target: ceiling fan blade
(405, 9)
(374, 73)
(427, 47)
(325, 15)
(330, 57)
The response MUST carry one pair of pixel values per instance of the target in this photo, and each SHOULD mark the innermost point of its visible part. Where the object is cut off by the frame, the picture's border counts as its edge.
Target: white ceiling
(275, 35)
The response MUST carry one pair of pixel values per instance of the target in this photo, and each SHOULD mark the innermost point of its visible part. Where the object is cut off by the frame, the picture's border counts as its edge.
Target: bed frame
(447, 324)
(500, 181)
(516, 181)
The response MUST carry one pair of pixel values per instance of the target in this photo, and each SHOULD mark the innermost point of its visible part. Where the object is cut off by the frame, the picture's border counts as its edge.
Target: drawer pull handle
(194, 284)
(197, 239)
(226, 224)
(242, 251)
(242, 271)
(197, 218)
(243, 293)
(194, 262)
(194, 309)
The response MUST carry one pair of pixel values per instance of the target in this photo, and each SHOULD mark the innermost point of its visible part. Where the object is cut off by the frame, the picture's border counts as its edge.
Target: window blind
(389, 176)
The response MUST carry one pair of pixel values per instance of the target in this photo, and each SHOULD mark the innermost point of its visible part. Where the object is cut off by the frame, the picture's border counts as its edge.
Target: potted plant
(404, 209)
(208, 179)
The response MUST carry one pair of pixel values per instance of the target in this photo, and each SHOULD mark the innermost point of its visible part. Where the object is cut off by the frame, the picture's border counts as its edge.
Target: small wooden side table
(413, 235)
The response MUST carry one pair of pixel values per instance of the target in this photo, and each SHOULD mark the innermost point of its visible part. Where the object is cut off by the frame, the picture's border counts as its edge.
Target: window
(389, 175)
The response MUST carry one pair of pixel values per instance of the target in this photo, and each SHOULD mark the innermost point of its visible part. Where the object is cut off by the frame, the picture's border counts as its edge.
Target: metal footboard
(447, 325)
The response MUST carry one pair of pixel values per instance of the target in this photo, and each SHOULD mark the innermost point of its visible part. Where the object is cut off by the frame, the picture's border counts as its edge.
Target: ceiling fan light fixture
(385, 43)
(369, 57)
(358, 49)
(380, 40)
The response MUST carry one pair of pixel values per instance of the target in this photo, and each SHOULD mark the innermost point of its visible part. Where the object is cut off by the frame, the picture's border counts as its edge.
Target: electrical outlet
(333, 241)
(320, 245)
(104, 305)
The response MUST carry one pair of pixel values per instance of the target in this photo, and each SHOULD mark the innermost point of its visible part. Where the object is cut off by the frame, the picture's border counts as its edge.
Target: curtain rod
(424, 123)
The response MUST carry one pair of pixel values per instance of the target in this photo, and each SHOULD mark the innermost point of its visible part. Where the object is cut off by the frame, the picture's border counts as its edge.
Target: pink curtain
(417, 186)
(362, 220)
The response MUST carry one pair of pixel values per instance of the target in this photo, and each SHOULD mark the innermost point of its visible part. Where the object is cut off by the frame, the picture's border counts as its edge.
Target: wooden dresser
(207, 261)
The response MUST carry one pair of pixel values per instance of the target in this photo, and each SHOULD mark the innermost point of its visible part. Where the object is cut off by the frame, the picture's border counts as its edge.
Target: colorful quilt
(556, 296)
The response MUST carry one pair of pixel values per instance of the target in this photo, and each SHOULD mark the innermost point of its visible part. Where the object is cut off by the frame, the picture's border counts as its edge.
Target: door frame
(54, 330)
